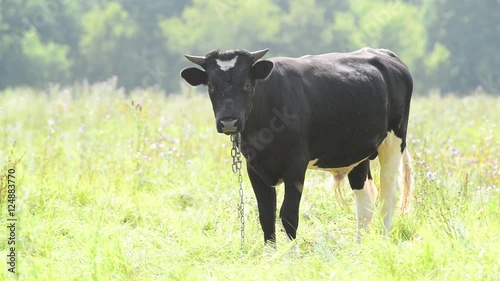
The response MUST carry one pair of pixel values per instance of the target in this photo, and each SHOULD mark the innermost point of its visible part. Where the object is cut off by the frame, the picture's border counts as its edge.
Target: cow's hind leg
(365, 192)
(389, 153)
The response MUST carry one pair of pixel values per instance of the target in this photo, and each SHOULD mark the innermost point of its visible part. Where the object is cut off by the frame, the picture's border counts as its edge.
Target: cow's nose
(229, 125)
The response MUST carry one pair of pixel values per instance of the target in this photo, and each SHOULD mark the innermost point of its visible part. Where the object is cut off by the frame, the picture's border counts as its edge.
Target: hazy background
(448, 45)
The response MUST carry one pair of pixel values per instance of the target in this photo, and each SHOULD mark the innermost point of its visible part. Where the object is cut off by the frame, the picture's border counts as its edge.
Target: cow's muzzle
(228, 125)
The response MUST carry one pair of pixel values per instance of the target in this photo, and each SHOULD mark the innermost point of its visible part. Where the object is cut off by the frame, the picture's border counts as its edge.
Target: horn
(258, 54)
(199, 60)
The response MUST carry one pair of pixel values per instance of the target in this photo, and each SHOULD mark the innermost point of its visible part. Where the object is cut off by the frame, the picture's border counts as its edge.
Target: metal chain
(236, 167)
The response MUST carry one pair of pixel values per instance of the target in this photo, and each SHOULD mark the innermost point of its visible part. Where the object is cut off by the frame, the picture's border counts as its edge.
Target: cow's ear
(194, 76)
(262, 69)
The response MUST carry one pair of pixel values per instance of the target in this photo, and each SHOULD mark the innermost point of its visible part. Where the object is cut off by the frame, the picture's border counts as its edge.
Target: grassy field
(139, 187)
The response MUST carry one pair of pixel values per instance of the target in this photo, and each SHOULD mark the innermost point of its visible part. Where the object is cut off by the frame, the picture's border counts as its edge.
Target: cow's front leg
(266, 201)
(289, 212)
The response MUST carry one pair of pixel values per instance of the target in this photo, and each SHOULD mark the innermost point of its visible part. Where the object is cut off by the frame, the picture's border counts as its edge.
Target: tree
(470, 31)
(108, 44)
(208, 25)
(300, 20)
(25, 58)
(44, 62)
(446, 44)
(154, 68)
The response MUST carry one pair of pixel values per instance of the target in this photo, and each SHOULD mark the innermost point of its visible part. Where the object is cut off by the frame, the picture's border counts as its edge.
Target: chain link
(236, 167)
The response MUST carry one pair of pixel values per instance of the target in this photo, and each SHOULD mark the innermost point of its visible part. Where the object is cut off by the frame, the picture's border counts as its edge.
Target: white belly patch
(338, 173)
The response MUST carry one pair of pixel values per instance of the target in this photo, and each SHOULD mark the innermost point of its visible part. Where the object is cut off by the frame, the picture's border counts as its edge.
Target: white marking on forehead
(226, 64)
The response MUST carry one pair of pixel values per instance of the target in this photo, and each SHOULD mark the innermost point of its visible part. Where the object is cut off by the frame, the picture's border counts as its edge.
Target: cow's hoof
(294, 251)
(270, 249)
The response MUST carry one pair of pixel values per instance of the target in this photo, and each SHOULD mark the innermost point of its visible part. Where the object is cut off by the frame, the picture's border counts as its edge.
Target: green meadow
(116, 186)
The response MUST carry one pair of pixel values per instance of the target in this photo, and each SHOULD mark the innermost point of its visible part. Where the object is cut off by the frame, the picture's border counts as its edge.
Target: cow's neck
(261, 111)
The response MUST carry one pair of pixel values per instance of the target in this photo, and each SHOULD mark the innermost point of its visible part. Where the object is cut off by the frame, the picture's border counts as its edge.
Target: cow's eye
(247, 86)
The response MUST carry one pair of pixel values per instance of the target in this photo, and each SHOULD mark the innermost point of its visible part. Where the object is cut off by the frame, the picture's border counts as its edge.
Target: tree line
(448, 45)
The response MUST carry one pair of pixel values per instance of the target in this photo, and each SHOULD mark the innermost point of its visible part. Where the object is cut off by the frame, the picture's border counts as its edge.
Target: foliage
(107, 43)
(222, 24)
(302, 19)
(44, 62)
(447, 45)
(469, 30)
(138, 187)
(391, 25)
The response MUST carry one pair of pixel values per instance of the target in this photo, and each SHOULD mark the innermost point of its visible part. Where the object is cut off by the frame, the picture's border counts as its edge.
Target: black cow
(332, 112)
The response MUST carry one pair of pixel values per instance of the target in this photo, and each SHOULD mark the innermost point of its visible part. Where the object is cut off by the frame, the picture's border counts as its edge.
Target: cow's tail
(408, 184)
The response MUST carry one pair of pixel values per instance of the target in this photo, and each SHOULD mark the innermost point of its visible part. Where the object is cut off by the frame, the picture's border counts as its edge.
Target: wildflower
(431, 176)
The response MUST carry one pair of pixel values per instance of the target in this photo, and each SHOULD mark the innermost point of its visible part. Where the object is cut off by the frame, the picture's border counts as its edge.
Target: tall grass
(139, 187)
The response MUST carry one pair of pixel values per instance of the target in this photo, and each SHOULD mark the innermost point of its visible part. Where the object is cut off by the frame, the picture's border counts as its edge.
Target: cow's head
(230, 77)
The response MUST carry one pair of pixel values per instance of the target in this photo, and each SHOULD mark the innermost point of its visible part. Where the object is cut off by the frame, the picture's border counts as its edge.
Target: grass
(110, 190)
